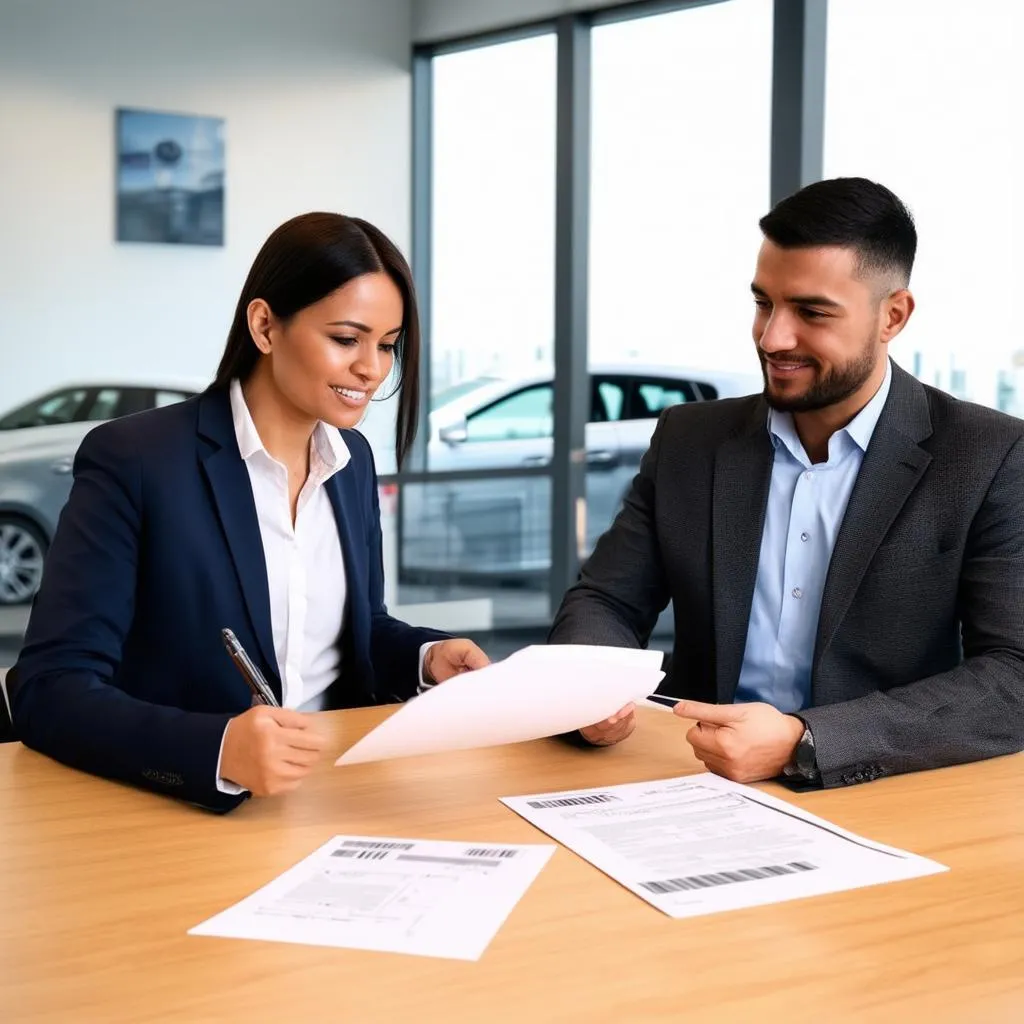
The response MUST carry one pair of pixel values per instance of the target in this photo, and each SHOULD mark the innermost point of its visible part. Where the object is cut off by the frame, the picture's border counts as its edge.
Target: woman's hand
(450, 658)
(270, 751)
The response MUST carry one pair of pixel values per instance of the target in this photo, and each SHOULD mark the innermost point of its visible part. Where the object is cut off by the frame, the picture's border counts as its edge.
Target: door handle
(601, 458)
(537, 460)
(63, 465)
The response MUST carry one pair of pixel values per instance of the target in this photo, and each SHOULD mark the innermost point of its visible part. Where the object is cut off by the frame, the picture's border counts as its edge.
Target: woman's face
(327, 361)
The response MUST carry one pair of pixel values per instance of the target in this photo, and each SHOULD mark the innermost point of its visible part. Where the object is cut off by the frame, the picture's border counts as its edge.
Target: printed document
(425, 897)
(701, 844)
(536, 692)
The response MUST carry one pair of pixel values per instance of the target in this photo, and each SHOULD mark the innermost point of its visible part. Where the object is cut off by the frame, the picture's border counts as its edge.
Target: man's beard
(834, 387)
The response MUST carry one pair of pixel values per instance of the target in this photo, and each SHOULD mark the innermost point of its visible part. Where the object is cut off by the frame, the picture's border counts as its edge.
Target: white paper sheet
(701, 844)
(538, 691)
(425, 897)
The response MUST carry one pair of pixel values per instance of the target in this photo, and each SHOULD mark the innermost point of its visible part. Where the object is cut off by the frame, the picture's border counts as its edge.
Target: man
(844, 553)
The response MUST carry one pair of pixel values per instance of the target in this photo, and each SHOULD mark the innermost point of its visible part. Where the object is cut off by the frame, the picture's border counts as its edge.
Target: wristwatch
(805, 761)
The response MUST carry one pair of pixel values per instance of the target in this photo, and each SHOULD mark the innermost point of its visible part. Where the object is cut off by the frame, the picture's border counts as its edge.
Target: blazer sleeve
(622, 587)
(65, 700)
(394, 645)
(972, 712)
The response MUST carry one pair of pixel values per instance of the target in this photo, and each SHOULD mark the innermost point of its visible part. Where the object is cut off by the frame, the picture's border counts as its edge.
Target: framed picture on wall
(170, 178)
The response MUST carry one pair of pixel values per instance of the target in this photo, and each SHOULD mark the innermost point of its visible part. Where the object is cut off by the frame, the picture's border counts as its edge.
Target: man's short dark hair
(852, 213)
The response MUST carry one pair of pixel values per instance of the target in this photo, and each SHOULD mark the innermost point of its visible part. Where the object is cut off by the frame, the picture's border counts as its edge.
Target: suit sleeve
(64, 694)
(394, 645)
(972, 712)
(622, 588)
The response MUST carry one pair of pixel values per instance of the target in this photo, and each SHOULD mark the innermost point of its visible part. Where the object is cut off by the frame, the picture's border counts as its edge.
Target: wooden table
(99, 883)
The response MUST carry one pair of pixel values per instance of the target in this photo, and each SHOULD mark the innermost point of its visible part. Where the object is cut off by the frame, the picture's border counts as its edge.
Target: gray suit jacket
(919, 657)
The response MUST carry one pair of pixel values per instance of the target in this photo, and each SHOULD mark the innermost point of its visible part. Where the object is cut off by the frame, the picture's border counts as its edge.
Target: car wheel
(22, 549)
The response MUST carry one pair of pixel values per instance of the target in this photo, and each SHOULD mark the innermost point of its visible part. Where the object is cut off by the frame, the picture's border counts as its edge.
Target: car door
(498, 526)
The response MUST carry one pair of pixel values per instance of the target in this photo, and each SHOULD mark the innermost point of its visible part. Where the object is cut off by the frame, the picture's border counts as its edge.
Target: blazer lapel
(341, 489)
(892, 467)
(743, 470)
(232, 496)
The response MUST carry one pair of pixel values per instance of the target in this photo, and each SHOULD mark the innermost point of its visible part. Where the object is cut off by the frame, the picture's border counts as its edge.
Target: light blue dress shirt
(806, 505)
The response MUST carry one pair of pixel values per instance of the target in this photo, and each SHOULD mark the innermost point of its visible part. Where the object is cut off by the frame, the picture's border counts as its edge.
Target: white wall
(316, 99)
(435, 20)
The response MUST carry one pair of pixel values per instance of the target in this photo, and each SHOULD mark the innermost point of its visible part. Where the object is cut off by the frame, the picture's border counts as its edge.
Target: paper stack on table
(536, 692)
(420, 896)
(700, 844)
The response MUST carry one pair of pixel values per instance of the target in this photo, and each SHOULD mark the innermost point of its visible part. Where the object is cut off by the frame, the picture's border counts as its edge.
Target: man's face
(820, 328)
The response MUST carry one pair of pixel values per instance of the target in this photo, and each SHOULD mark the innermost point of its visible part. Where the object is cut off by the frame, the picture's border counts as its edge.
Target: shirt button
(808, 475)
(797, 593)
(805, 536)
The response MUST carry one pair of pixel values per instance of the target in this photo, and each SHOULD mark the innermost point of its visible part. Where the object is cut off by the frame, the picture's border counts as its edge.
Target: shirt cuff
(423, 684)
(223, 786)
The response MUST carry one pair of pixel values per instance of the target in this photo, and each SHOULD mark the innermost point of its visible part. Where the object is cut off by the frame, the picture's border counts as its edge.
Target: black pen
(662, 700)
(250, 673)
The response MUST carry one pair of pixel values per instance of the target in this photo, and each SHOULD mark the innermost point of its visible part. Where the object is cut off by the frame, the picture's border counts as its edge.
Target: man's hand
(452, 657)
(742, 742)
(270, 750)
(611, 730)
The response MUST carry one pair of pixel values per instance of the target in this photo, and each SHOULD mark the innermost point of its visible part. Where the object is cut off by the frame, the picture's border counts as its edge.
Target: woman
(246, 508)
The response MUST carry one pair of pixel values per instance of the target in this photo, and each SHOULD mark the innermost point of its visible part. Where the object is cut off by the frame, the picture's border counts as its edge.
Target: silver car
(502, 527)
(38, 441)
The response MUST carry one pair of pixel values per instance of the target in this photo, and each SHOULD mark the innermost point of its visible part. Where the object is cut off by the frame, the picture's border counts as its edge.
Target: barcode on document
(367, 844)
(572, 801)
(362, 854)
(667, 885)
(480, 852)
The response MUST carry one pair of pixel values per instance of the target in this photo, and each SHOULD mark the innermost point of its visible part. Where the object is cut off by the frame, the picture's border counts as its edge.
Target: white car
(38, 441)
(502, 527)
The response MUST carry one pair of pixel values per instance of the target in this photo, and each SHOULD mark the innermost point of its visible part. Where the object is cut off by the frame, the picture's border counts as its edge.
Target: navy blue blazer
(123, 672)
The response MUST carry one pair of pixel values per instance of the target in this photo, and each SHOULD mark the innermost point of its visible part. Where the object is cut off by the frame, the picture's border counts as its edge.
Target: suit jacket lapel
(232, 496)
(743, 469)
(341, 489)
(892, 467)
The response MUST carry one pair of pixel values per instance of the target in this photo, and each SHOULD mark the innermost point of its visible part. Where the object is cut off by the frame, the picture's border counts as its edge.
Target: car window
(523, 415)
(650, 396)
(162, 398)
(104, 405)
(608, 400)
(59, 407)
(134, 400)
(707, 391)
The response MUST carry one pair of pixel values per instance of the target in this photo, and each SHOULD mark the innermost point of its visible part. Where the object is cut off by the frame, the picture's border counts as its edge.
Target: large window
(493, 245)
(483, 546)
(926, 98)
(681, 150)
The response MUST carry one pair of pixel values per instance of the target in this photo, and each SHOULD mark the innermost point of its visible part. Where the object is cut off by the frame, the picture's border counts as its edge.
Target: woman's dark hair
(852, 213)
(302, 262)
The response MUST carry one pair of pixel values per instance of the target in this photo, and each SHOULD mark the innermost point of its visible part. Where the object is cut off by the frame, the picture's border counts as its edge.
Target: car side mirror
(454, 433)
